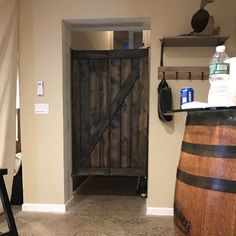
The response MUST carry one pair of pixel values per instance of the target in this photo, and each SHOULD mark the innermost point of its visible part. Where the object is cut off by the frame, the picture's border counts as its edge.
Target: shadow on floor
(108, 185)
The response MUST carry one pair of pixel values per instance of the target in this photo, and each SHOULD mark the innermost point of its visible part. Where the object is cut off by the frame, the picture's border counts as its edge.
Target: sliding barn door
(110, 112)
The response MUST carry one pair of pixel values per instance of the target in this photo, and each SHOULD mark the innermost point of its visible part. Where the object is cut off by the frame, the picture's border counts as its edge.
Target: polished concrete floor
(112, 210)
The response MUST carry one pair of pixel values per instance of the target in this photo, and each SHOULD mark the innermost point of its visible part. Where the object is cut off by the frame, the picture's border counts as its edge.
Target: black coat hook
(164, 75)
(176, 75)
(202, 76)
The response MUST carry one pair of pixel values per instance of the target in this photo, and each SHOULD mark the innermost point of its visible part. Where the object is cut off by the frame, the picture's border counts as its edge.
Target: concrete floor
(107, 212)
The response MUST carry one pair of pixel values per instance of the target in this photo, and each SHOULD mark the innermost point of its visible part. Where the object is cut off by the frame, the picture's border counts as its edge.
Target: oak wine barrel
(205, 190)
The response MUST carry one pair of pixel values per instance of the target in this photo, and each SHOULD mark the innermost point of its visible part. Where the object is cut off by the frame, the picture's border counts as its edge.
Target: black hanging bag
(164, 101)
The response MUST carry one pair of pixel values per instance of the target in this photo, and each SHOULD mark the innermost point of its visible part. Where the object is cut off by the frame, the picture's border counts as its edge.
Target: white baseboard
(55, 208)
(160, 211)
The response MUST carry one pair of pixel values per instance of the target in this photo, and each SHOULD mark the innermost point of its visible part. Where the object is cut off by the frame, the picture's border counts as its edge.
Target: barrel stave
(208, 159)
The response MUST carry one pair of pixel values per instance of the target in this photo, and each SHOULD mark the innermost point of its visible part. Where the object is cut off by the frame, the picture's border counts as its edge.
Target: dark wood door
(110, 112)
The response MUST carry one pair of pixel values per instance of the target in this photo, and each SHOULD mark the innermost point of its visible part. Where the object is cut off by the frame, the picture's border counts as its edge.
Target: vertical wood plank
(104, 110)
(135, 111)
(115, 66)
(84, 104)
(94, 108)
(125, 118)
(143, 115)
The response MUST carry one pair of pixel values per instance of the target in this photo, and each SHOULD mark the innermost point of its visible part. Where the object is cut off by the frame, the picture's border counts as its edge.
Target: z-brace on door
(110, 112)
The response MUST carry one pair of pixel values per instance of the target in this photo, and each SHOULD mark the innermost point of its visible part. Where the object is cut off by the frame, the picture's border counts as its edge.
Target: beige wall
(91, 40)
(42, 144)
(46, 139)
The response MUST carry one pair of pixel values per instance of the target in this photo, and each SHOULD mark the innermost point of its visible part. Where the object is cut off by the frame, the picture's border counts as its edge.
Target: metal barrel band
(212, 117)
(216, 151)
(215, 184)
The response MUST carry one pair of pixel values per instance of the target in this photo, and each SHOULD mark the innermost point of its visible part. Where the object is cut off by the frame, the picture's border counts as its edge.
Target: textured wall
(46, 168)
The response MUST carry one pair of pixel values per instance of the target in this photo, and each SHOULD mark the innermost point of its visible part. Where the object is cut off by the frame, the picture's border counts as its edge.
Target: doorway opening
(110, 90)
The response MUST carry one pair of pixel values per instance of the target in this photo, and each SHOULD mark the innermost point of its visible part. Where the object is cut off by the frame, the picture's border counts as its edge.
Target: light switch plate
(41, 108)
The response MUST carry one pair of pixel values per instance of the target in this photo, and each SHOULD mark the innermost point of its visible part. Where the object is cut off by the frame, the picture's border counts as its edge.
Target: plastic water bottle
(219, 78)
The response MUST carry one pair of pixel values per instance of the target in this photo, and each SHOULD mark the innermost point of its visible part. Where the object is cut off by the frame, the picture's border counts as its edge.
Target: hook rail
(183, 73)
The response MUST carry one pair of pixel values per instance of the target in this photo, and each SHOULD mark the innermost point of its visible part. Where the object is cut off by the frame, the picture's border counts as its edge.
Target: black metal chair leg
(7, 208)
